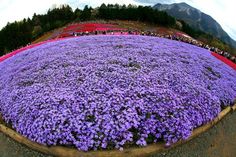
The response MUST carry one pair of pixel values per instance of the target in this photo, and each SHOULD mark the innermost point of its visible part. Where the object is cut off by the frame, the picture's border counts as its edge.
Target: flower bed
(89, 28)
(225, 60)
(150, 150)
(105, 92)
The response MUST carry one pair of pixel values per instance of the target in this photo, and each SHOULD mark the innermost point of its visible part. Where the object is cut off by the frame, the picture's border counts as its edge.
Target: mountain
(196, 19)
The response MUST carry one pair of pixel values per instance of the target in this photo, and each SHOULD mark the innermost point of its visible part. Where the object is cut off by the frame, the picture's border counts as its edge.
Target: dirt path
(219, 141)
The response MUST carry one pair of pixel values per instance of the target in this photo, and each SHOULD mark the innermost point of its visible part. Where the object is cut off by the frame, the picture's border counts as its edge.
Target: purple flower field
(104, 92)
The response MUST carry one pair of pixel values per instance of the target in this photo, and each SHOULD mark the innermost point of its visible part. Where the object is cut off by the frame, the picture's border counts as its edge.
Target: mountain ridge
(196, 19)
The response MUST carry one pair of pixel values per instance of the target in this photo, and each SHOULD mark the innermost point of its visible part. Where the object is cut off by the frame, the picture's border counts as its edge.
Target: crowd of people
(189, 40)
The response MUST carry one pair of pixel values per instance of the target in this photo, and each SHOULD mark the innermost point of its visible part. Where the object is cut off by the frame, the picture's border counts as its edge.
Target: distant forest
(17, 34)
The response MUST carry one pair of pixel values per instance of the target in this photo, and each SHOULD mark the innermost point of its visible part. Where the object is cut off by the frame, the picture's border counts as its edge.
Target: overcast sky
(222, 11)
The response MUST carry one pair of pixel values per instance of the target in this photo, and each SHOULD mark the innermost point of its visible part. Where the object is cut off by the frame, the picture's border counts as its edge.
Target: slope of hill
(30, 30)
(196, 19)
(121, 24)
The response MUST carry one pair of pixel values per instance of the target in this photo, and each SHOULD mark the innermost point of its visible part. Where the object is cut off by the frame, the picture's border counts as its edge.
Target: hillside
(196, 19)
(126, 25)
(52, 24)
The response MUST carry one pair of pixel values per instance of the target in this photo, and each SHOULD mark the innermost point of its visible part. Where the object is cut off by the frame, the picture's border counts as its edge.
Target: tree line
(17, 34)
(140, 13)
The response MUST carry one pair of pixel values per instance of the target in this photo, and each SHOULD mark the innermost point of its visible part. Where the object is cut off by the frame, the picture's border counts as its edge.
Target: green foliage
(86, 13)
(77, 14)
(140, 13)
(17, 34)
(37, 30)
(22, 31)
